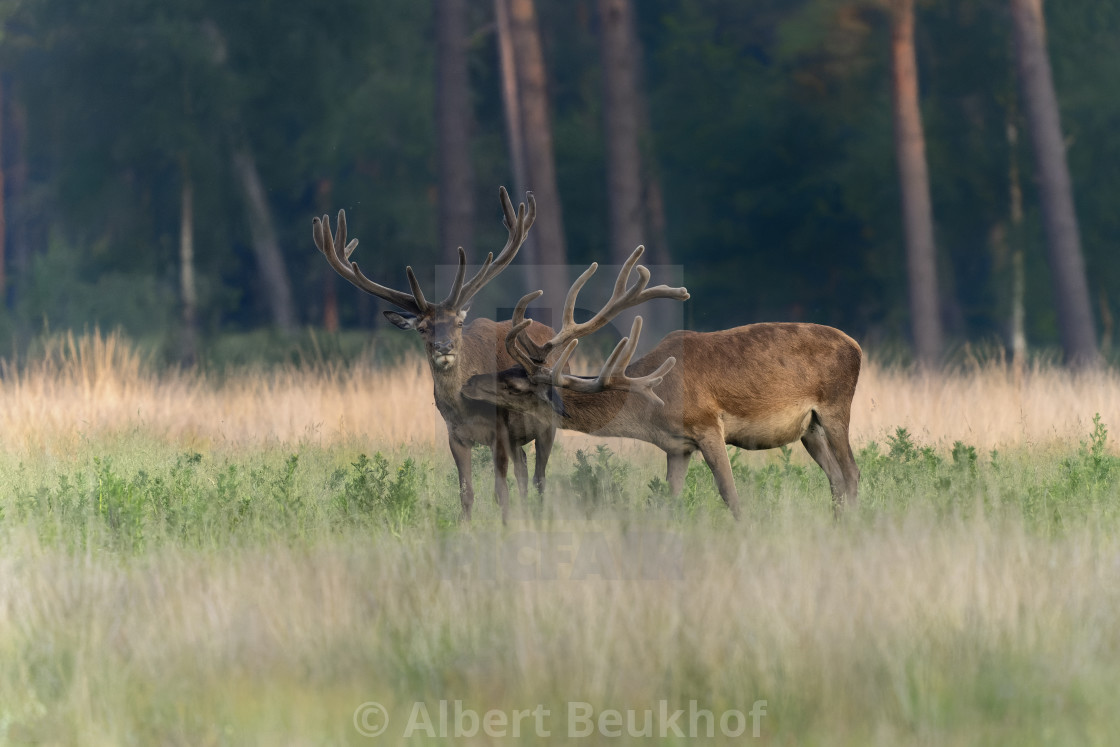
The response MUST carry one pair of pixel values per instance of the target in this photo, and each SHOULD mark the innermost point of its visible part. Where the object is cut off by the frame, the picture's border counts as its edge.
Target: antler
(613, 373)
(518, 224)
(338, 252)
(622, 298)
(534, 357)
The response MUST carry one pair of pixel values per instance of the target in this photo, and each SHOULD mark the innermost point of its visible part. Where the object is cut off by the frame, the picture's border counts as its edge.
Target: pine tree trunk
(453, 114)
(622, 129)
(1067, 266)
(511, 105)
(3, 204)
(637, 214)
(917, 213)
(266, 247)
(188, 294)
(1018, 276)
(17, 222)
(547, 245)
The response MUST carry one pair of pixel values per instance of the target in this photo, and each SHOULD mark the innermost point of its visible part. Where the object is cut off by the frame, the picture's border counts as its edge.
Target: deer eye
(459, 323)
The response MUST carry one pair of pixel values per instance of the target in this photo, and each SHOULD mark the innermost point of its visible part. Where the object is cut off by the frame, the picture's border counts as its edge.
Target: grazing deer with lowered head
(456, 352)
(759, 386)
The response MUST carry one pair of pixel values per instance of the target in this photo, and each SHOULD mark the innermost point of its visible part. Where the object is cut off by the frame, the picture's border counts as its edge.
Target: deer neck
(608, 413)
(448, 382)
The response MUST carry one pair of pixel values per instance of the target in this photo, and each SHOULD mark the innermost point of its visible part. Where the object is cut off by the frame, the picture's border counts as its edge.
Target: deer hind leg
(714, 450)
(836, 428)
(827, 442)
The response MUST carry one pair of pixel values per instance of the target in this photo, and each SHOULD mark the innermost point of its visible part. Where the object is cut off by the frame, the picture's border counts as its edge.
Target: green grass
(260, 596)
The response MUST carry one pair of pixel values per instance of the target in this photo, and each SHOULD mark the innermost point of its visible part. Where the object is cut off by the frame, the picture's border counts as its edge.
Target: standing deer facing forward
(759, 386)
(455, 353)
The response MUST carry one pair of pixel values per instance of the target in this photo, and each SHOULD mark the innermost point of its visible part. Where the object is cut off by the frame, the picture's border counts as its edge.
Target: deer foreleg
(715, 454)
(461, 453)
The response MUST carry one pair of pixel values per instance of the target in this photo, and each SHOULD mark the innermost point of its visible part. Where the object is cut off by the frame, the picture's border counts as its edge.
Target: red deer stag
(455, 353)
(759, 386)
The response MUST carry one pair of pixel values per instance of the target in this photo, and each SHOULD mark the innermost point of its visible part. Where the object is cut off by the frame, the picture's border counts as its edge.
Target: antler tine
(613, 373)
(569, 315)
(515, 342)
(620, 357)
(513, 346)
(340, 261)
(556, 373)
(517, 223)
(523, 304)
(415, 285)
(457, 284)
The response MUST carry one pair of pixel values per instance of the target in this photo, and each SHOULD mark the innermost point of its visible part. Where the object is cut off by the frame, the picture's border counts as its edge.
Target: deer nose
(443, 347)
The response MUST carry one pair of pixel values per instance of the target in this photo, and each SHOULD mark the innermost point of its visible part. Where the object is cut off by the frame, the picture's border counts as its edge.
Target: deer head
(439, 324)
(533, 385)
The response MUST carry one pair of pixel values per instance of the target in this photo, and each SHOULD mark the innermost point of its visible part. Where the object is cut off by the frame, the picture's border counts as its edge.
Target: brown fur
(480, 349)
(455, 353)
(759, 386)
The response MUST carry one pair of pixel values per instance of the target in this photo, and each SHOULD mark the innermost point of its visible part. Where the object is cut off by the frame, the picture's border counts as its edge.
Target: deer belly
(767, 431)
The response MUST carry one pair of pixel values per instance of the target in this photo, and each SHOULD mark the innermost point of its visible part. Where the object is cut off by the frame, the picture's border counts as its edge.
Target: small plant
(599, 479)
(964, 456)
(121, 503)
(284, 487)
(366, 484)
(1098, 443)
(369, 491)
(658, 491)
(401, 497)
(902, 447)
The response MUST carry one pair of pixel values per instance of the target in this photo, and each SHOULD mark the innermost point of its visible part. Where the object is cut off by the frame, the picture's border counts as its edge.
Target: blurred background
(927, 176)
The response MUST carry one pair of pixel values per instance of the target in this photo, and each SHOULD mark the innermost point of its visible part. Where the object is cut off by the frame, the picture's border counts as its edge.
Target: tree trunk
(266, 247)
(188, 293)
(547, 245)
(1067, 267)
(637, 215)
(511, 104)
(3, 205)
(17, 223)
(917, 214)
(622, 129)
(1018, 276)
(511, 97)
(453, 115)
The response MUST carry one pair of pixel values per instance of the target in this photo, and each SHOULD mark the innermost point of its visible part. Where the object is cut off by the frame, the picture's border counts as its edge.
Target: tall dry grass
(96, 386)
(951, 633)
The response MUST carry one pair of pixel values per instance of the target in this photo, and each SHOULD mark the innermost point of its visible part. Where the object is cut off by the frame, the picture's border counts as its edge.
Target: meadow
(257, 555)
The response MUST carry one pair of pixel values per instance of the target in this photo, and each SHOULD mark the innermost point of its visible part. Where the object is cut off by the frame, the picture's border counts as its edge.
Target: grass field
(253, 558)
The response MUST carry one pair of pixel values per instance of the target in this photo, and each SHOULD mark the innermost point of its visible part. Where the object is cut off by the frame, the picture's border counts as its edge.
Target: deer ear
(402, 319)
(518, 383)
(462, 315)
